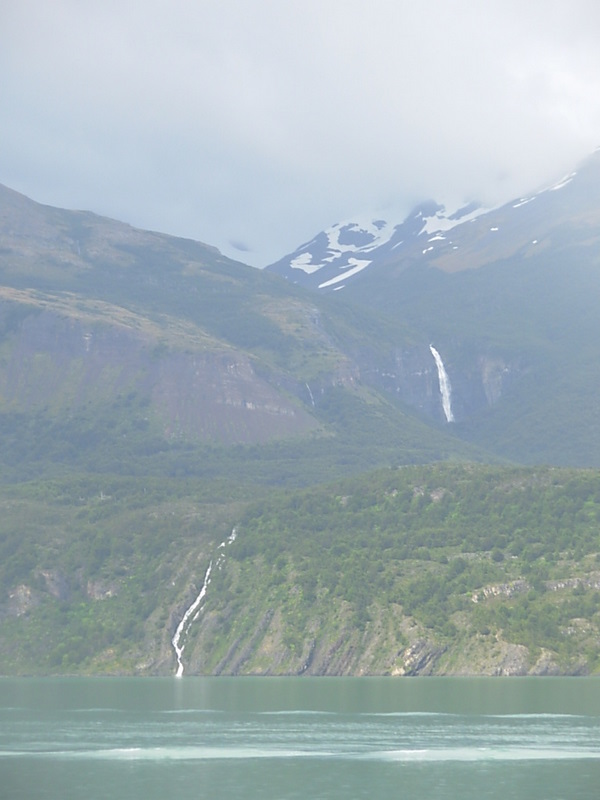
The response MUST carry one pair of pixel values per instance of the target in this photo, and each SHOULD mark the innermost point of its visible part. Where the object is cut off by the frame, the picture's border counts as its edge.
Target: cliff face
(60, 362)
(391, 644)
(224, 641)
(477, 380)
(93, 311)
(225, 353)
(63, 352)
(129, 360)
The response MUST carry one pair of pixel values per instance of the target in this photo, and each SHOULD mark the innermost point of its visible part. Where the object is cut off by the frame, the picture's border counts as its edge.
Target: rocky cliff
(62, 355)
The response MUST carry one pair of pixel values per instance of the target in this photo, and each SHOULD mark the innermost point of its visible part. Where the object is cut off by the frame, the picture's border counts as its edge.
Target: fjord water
(150, 738)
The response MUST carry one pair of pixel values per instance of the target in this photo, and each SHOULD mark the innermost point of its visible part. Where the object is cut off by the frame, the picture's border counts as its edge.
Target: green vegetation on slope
(538, 315)
(112, 508)
(119, 437)
(475, 569)
(94, 564)
(469, 555)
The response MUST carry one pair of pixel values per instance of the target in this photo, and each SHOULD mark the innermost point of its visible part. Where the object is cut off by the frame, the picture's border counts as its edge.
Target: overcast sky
(253, 124)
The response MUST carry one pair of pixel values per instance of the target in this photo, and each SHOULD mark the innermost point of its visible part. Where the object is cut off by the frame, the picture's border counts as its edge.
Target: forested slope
(416, 570)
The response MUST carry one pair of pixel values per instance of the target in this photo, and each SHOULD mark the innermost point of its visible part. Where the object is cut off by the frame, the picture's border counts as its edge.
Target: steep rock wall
(54, 363)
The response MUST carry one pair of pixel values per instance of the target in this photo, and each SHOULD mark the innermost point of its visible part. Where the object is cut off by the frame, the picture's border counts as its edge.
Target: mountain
(508, 299)
(467, 238)
(133, 348)
(176, 424)
(466, 334)
(150, 389)
(336, 255)
(438, 569)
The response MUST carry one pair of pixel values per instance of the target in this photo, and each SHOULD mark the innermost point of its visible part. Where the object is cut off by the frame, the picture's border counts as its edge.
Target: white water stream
(195, 609)
(445, 386)
(312, 399)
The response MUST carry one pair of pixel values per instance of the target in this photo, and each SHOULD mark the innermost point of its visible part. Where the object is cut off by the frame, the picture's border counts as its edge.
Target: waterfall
(445, 387)
(194, 608)
(312, 399)
(175, 641)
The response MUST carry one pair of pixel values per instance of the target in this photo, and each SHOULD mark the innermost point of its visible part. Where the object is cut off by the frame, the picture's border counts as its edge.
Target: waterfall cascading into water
(183, 627)
(445, 386)
(175, 641)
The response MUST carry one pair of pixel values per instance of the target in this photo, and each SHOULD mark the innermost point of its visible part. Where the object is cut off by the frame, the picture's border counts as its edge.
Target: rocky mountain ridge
(508, 299)
(191, 347)
(254, 358)
(466, 238)
(337, 254)
(434, 570)
(154, 395)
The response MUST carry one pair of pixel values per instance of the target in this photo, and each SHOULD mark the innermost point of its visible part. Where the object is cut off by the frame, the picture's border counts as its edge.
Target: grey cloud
(263, 122)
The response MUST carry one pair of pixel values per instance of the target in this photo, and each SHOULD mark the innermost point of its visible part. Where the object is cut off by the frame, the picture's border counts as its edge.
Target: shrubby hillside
(157, 398)
(509, 297)
(413, 570)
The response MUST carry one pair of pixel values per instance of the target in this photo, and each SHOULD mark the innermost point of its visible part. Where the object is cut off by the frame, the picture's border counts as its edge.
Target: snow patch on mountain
(441, 221)
(563, 182)
(341, 238)
(523, 201)
(304, 262)
(358, 267)
(347, 248)
(430, 234)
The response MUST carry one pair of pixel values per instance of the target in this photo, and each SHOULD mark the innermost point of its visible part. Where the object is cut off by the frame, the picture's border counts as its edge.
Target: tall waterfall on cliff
(181, 628)
(445, 387)
(194, 608)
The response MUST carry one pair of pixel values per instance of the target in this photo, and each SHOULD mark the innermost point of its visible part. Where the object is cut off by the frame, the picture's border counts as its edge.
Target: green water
(508, 738)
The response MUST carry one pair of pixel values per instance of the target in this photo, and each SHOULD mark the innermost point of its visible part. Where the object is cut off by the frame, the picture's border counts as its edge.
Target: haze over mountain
(508, 297)
(251, 126)
(452, 240)
(176, 425)
(473, 324)
(191, 346)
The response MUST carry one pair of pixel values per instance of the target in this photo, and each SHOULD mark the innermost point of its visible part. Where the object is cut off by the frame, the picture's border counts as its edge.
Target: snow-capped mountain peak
(453, 241)
(347, 248)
